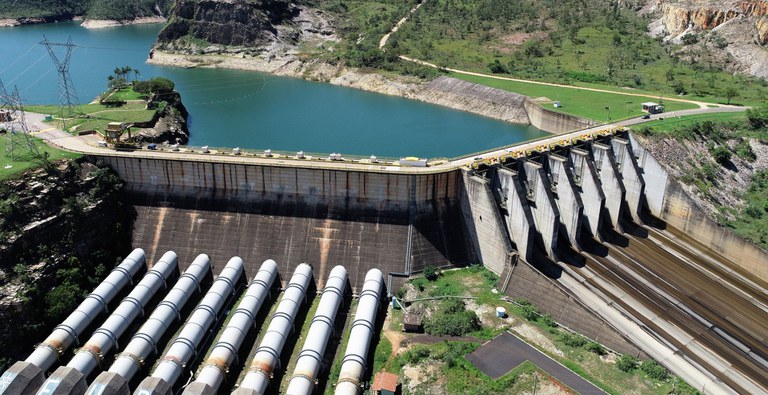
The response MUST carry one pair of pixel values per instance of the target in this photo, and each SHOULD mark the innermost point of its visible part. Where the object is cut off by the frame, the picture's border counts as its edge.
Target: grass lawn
(19, 166)
(675, 122)
(127, 94)
(581, 103)
(98, 115)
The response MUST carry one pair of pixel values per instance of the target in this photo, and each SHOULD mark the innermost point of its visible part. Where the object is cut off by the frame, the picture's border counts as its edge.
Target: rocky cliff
(734, 31)
(170, 122)
(196, 25)
(62, 228)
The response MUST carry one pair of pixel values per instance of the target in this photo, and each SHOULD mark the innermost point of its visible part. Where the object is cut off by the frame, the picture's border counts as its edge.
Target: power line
(67, 95)
(18, 58)
(19, 144)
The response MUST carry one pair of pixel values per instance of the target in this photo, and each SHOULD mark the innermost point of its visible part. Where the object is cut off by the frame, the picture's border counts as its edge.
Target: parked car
(152, 146)
(646, 116)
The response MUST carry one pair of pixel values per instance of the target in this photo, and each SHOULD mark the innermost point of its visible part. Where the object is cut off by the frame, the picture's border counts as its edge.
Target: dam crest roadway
(587, 225)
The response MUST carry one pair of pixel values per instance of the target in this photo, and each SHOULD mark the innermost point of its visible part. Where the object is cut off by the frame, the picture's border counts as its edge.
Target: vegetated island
(148, 111)
(94, 13)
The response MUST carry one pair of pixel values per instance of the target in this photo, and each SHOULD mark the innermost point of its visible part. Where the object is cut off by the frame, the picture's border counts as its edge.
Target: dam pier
(587, 225)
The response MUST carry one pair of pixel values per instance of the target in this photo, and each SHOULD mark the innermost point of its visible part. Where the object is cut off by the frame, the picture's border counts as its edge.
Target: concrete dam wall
(527, 219)
(398, 223)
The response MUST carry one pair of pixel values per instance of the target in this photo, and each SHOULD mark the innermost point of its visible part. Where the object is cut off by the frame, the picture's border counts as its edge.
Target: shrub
(431, 273)
(596, 348)
(689, 39)
(452, 319)
(573, 339)
(497, 67)
(530, 313)
(653, 370)
(722, 155)
(758, 117)
(626, 363)
(744, 150)
(547, 320)
(154, 85)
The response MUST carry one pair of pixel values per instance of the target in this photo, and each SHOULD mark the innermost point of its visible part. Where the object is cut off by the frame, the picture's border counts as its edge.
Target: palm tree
(136, 74)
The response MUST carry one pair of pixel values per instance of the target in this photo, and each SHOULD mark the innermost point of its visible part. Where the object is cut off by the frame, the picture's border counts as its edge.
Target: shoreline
(104, 23)
(86, 23)
(401, 86)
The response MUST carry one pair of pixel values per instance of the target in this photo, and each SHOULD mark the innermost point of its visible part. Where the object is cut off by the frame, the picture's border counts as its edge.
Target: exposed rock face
(60, 227)
(242, 23)
(734, 31)
(169, 125)
(679, 16)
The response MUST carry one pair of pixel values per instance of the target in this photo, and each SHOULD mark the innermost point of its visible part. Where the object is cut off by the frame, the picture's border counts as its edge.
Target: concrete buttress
(591, 192)
(567, 197)
(631, 177)
(542, 204)
(520, 223)
(655, 176)
(610, 180)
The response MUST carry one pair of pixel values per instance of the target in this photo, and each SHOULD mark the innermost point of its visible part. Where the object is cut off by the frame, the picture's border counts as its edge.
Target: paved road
(88, 145)
(507, 351)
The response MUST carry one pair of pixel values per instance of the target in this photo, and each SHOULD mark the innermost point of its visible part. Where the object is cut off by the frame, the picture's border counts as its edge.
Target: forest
(54, 10)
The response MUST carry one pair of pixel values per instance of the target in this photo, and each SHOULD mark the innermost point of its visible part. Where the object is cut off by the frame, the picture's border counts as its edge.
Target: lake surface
(230, 108)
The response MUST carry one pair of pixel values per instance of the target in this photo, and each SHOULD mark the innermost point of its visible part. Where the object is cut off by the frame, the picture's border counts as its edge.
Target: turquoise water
(230, 108)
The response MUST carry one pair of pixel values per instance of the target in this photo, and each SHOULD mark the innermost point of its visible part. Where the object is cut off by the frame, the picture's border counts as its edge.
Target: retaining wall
(553, 121)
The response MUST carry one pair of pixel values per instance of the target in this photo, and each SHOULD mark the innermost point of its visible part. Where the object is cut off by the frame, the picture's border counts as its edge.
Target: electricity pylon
(68, 101)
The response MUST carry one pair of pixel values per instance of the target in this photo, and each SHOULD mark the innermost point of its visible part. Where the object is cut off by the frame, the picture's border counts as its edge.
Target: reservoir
(230, 108)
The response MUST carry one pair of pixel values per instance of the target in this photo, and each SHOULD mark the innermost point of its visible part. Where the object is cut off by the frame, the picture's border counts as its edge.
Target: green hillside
(580, 42)
(92, 9)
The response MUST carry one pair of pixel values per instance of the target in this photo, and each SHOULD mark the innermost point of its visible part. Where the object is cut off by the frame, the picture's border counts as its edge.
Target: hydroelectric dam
(588, 226)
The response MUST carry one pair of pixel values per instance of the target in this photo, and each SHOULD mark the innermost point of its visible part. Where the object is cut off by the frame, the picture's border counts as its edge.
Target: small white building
(413, 161)
(653, 108)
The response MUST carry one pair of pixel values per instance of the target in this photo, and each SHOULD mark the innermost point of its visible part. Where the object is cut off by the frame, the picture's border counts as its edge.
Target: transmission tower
(19, 144)
(67, 96)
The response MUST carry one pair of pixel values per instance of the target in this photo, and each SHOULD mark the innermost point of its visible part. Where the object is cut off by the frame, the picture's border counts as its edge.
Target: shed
(653, 108)
(412, 322)
(384, 384)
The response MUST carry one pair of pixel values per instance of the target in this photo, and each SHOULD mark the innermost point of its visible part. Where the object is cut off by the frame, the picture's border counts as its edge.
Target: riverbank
(87, 23)
(443, 91)
(104, 23)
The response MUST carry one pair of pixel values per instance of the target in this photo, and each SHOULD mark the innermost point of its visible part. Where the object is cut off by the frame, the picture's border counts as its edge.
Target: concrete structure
(145, 342)
(267, 357)
(70, 379)
(516, 218)
(354, 364)
(308, 364)
(224, 353)
(185, 345)
(25, 377)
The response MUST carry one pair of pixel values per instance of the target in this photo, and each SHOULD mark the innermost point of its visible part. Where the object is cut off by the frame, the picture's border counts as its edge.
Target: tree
(722, 155)
(730, 92)
(626, 363)
(758, 117)
(431, 273)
